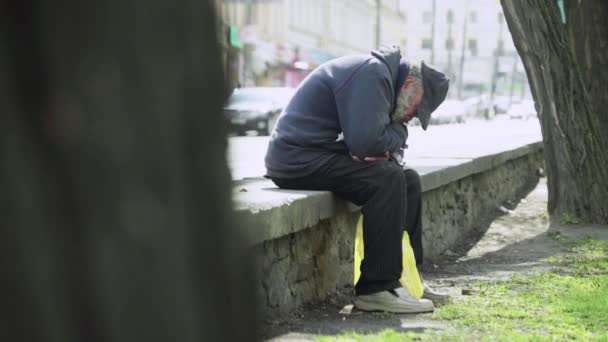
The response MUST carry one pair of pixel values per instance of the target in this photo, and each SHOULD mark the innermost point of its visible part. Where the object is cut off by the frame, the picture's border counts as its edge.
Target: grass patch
(384, 336)
(568, 219)
(569, 303)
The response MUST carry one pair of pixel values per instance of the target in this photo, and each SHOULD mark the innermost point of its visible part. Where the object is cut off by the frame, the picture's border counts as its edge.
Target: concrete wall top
(273, 212)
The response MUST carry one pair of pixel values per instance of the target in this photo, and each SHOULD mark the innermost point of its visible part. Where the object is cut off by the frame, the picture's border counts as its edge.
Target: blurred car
(256, 108)
(450, 111)
(523, 110)
(479, 106)
(470, 89)
(501, 104)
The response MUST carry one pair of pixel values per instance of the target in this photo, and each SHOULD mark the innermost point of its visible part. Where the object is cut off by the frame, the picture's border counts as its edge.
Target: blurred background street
(270, 46)
(436, 144)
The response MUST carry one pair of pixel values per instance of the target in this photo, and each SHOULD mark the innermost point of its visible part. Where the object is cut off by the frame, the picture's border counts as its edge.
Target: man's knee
(391, 176)
(412, 179)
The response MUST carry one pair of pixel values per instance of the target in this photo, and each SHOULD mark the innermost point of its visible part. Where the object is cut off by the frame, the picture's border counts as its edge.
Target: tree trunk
(567, 67)
(116, 198)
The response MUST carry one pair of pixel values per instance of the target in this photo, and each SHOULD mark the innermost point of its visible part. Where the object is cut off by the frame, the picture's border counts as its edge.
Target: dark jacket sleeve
(363, 108)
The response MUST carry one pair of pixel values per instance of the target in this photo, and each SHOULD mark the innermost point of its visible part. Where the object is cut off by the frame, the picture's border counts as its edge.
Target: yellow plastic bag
(410, 279)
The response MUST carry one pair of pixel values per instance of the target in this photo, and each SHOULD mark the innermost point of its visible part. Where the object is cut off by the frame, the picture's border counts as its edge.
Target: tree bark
(567, 68)
(116, 197)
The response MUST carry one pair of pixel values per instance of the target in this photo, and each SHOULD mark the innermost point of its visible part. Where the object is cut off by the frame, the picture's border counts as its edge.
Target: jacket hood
(390, 55)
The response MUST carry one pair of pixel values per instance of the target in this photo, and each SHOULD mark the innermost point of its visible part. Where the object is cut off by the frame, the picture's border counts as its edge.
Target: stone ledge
(275, 212)
(453, 169)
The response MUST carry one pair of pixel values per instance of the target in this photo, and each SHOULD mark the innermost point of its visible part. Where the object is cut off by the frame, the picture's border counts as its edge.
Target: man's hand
(370, 159)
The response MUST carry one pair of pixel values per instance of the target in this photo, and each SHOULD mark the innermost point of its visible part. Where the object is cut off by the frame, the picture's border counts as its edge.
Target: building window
(450, 17)
(473, 17)
(449, 43)
(473, 47)
(427, 17)
(427, 43)
(500, 48)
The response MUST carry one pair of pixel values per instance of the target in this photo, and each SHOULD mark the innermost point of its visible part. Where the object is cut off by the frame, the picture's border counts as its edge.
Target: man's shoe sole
(363, 305)
(437, 299)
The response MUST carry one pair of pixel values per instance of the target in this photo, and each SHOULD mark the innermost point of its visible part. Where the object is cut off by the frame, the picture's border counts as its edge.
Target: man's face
(409, 99)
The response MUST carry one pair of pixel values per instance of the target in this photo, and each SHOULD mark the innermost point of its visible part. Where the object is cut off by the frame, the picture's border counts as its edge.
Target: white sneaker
(397, 301)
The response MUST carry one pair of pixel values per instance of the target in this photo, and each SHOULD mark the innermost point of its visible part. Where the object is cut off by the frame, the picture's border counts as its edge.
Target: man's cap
(435, 86)
(402, 71)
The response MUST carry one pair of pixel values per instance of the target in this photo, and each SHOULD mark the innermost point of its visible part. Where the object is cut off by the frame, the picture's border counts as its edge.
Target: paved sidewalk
(439, 146)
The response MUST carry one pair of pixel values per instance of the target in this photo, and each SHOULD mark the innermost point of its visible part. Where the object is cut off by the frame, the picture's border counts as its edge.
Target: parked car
(479, 106)
(450, 111)
(502, 103)
(523, 110)
(256, 108)
(470, 89)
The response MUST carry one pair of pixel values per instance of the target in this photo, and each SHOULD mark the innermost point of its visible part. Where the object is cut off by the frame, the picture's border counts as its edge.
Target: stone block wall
(308, 265)
(457, 211)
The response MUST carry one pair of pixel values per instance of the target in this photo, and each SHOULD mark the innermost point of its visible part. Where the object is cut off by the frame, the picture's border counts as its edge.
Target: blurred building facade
(469, 39)
(278, 42)
(283, 40)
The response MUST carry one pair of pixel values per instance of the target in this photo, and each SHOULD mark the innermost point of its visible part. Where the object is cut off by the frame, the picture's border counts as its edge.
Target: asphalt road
(474, 138)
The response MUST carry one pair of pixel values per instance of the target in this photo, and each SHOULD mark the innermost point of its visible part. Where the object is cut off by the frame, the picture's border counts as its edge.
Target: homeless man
(344, 130)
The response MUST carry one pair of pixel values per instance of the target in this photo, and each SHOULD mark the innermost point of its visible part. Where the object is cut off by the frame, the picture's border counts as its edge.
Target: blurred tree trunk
(567, 67)
(116, 197)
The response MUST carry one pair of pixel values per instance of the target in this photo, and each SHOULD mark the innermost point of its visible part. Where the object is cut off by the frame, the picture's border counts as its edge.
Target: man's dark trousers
(391, 202)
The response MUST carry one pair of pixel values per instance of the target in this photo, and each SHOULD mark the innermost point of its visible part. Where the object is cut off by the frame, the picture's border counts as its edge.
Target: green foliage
(387, 335)
(569, 303)
(568, 219)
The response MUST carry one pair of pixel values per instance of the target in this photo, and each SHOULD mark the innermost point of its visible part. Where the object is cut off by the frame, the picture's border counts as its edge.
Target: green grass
(384, 336)
(568, 219)
(568, 303)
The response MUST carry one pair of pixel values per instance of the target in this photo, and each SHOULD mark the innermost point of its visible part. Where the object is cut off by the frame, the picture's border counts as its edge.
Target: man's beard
(405, 101)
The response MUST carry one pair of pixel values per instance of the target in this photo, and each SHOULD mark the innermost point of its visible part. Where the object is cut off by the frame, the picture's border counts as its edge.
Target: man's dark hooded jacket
(343, 106)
